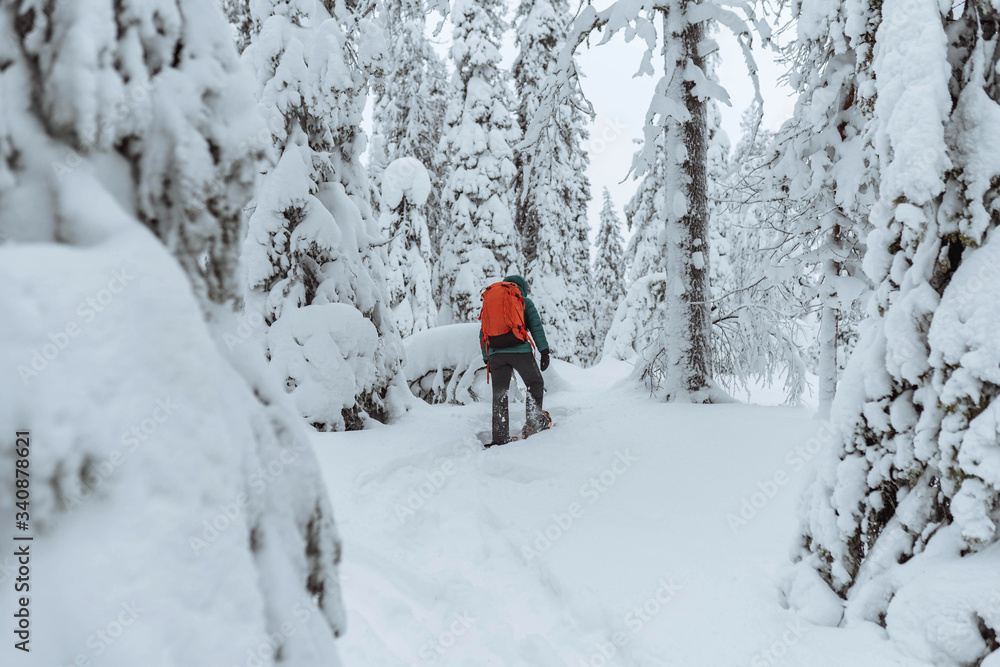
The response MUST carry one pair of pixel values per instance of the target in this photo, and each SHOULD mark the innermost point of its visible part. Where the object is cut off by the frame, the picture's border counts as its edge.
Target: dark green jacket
(531, 321)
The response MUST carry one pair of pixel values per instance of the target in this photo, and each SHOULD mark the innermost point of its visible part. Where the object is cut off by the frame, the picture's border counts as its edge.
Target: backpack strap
(527, 337)
(484, 343)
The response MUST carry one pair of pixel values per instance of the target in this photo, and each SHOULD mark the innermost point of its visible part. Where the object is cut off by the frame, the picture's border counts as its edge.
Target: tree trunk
(827, 346)
(688, 325)
(828, 326)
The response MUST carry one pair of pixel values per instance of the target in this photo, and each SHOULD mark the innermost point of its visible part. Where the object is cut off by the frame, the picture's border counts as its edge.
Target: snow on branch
(634, 19)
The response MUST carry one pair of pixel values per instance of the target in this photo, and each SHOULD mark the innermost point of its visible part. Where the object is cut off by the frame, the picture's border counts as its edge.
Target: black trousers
(502, 367)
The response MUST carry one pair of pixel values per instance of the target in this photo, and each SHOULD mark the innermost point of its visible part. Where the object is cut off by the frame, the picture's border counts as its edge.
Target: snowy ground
(611, 540)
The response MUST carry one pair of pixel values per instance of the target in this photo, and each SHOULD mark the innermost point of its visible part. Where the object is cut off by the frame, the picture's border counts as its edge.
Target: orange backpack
(503, 313)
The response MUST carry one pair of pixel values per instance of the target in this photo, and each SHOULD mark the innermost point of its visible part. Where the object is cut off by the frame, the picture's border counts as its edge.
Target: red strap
(527, 337)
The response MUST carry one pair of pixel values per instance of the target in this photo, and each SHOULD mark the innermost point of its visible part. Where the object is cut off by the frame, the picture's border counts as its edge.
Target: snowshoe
(546, 423)
(497, 444)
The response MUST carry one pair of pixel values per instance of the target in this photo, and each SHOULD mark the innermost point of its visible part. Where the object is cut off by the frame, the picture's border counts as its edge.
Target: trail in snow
(611, 539)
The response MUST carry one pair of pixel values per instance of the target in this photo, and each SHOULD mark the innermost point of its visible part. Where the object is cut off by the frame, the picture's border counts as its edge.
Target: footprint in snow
(512, 472)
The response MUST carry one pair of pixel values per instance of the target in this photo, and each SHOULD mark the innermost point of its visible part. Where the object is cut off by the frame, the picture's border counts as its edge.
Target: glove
(545, 359)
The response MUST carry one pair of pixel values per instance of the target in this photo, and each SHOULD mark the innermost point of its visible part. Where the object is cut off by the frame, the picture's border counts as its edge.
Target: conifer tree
(821, 183)
(609, 269)
(644, 215)
(405, 189)
(409, 104)
(552, 191)
(127, 153)
(480, 242)
(908, 479)
(313, 239)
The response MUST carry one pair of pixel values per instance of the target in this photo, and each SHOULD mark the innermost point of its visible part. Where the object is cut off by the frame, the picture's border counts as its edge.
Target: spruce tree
(127, 154)
(906, 490)
(480, 243)
(552, 191)
(609, 270)
(313, 238)
(644, 215)
(405, 189)
(409, 104)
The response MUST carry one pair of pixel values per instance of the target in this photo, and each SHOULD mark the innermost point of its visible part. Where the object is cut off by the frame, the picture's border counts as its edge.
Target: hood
(520, 282)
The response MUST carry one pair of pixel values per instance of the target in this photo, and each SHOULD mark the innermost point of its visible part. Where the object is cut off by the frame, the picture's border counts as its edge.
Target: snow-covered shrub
(324, 353)
(751, 338)
(405, 187)
(445, 365)
(141, 422)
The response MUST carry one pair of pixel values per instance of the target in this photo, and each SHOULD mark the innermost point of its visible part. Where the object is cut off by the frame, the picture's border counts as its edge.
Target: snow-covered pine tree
(552, 191)
(314, 254)
(681, 361)
(821, 183)
(125, 161)
(409, 104)
(437, 208)
(405, 188)
(240, 21)
(479, 242)
(608, 287)
(906, 495)
(644, 215)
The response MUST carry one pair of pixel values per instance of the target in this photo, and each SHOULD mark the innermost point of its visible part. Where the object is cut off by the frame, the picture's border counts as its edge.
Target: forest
(243, 252)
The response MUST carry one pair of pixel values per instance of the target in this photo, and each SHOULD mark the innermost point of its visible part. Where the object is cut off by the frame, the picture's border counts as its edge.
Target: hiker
(507, 317)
